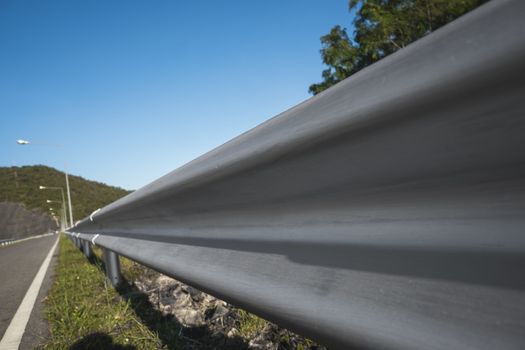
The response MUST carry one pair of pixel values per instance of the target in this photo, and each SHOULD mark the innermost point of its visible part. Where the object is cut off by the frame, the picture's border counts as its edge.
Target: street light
(63, 199)
(63, 215)
(25, 142)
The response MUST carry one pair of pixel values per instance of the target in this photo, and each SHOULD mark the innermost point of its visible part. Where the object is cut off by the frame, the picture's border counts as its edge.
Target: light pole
(63, 215)
(25, 142)
(63, 198)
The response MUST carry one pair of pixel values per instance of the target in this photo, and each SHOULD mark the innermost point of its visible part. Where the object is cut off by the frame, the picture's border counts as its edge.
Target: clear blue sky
(135, 89)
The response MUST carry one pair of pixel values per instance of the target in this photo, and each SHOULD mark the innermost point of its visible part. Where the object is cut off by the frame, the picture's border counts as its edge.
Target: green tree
(381, 28)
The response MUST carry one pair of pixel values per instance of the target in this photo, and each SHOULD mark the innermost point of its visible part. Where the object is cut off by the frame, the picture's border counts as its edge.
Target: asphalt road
(19, 264)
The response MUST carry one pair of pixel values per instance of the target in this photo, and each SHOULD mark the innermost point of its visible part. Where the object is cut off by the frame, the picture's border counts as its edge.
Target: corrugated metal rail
(386, 212)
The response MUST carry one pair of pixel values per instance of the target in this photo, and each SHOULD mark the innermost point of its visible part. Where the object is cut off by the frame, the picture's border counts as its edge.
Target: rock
(195, 293)
(197, 297)
(140, 285)
(232, 333)
(166, 309)
(177, 290)
(164, 282)
(209, 299)
(189, 318)
(167, 300)
(220, 311)
(262, 343)
(153, 298)
(210, 323)
(183, 301)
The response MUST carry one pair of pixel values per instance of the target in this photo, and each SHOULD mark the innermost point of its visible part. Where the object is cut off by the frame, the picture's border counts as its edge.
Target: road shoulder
(37, 329)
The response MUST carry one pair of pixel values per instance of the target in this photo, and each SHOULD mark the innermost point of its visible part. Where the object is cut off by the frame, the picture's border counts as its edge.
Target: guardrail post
(112, 267)
(88, 252)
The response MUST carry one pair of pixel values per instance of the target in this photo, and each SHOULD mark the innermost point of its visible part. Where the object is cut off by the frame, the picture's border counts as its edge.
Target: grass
(85, 312)
(249, 324)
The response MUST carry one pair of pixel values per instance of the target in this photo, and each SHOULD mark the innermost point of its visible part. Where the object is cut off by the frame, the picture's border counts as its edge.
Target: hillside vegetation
(20, 184)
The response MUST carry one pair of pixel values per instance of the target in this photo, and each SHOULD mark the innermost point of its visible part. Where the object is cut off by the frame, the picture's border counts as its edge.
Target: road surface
(19, 264)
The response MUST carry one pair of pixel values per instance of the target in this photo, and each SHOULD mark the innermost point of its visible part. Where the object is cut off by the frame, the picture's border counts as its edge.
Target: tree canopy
(381, 28)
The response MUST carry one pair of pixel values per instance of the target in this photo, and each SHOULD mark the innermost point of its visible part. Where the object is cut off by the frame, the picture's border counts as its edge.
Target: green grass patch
(85, 312)
(249, 324)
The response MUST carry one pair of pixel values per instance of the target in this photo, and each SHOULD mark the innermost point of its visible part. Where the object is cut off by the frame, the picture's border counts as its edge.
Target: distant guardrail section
(6, 242)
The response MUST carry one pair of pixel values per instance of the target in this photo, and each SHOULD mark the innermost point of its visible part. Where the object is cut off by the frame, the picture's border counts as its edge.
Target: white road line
(13, 335)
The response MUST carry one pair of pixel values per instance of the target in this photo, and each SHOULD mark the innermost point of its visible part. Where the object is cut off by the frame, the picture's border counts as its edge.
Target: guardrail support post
(112, 262)
(88, 252)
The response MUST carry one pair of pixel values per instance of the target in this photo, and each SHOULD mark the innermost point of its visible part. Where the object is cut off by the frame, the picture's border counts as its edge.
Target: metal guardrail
(10, 241)
(386, 212)
(5, 242)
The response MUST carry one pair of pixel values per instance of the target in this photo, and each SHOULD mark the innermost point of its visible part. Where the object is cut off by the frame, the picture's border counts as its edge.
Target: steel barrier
(385, 212)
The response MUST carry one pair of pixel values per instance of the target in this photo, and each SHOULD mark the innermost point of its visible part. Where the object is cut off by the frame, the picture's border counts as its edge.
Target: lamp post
(63, 199)
(26, 142)
(63, 215)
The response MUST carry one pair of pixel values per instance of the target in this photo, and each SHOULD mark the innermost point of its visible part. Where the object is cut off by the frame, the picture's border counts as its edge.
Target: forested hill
(20, 184)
